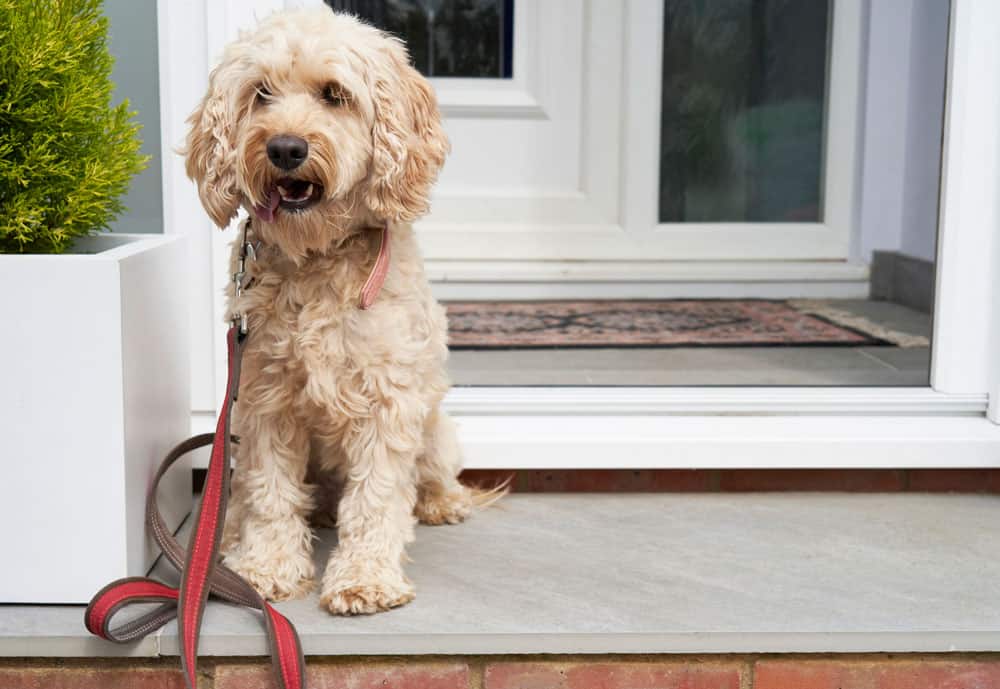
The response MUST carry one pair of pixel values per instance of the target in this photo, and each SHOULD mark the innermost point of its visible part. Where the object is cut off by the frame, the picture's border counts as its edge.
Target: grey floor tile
(57, 631)
(688, 366)
(699, 573)
(912, 359)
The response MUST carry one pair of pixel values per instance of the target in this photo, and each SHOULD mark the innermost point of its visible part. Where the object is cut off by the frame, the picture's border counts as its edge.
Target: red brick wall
(940, 671)
(741, 480)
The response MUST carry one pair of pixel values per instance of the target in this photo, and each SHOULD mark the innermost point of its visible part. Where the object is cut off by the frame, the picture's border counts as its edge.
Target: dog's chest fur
(306, 327)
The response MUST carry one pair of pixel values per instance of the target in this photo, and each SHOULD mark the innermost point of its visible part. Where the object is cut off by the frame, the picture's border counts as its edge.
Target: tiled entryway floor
(866, 366)
(654, 573)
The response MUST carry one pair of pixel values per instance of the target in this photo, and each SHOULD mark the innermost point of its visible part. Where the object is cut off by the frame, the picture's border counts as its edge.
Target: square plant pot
(94, 390)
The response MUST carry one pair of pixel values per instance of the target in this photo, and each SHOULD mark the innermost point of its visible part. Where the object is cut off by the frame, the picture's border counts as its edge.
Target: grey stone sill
(665, 573)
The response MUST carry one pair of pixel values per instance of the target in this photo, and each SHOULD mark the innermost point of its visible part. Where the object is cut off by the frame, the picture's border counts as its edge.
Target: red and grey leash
(201, 571)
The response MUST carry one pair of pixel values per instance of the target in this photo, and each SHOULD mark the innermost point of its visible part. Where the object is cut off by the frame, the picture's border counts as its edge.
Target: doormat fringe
(853, 321)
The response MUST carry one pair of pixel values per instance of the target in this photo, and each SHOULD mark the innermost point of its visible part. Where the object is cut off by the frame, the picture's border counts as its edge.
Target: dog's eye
(262, 94)
(335, 95)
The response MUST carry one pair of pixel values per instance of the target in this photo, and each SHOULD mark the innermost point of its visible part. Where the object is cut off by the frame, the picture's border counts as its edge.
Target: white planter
(94, 390)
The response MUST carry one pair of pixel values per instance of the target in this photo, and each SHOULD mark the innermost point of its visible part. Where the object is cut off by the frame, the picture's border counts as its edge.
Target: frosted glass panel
(743, 110)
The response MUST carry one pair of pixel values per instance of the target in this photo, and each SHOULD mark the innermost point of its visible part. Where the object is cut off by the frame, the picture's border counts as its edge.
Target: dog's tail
(482, 498)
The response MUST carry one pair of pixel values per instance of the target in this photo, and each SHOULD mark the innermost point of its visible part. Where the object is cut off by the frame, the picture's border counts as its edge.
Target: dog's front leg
(269, 542)
(375, 515)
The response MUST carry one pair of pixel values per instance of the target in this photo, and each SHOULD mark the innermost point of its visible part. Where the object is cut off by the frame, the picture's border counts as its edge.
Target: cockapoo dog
(317, 125)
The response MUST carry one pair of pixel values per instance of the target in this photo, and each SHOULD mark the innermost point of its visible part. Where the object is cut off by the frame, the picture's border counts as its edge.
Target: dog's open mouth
(290, 194)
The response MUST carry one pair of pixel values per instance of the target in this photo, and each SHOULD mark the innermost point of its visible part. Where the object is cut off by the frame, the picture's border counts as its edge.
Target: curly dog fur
(339, 408)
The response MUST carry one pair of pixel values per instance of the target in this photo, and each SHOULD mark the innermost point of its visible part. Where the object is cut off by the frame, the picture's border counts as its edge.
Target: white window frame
(514, 97)
(951, 423)
(828, 239)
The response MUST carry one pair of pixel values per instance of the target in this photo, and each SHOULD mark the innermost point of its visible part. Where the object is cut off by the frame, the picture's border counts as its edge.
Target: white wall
(928, 60)
(907, 53)
(132, 42)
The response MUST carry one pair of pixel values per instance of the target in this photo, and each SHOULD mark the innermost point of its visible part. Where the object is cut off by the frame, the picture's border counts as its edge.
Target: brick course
(740, 480)
(879, 674)
(361, 675)
(862, 671)
(93, 677)
(622, 675)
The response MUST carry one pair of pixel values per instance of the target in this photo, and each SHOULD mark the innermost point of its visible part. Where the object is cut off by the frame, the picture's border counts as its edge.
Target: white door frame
(945, 425)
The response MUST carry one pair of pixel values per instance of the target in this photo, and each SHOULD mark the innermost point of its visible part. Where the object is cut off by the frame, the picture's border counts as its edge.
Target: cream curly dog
(316, 124)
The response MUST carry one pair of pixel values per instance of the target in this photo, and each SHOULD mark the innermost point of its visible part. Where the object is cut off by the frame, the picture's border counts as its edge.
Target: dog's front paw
(284, 578)
(446, 508)
(362, 590)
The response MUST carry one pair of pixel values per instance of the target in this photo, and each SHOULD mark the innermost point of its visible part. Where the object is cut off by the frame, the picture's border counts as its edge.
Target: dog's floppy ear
(210, 149)
(409, 143)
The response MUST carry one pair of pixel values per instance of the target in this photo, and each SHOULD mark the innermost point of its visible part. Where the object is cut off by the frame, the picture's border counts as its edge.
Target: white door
(576, 176)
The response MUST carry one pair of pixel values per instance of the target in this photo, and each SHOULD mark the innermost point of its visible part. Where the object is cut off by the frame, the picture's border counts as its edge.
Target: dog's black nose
(287, 151)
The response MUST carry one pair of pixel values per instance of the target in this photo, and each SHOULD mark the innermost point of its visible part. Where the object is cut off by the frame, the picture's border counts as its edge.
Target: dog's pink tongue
(266, 213)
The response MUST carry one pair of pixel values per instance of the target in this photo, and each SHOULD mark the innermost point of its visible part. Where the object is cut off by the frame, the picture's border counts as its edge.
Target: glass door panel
(446, 38)
(743, 107)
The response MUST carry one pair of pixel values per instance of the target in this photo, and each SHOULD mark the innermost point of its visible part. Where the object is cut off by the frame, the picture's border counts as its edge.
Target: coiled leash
(201, 571)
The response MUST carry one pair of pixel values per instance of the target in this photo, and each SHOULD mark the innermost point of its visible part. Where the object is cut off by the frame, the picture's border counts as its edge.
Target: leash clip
(248, 252)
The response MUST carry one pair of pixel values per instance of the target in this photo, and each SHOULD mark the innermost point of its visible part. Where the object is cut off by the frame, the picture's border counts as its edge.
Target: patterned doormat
(642, 323)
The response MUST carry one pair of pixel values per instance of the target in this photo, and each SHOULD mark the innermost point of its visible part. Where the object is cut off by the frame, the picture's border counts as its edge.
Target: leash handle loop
(201, 572)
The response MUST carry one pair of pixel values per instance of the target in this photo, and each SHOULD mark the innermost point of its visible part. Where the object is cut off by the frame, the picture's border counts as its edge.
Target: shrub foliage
(66, 155)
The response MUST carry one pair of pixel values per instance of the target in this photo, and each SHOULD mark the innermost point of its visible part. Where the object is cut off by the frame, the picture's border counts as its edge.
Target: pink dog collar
(369, 291)
(376, 278)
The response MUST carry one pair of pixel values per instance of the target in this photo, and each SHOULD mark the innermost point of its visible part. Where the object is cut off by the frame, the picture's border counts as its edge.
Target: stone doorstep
(874, 671)
(686, 574)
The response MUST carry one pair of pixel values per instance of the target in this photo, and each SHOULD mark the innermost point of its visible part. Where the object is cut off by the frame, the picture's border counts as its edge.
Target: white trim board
(647, 271)
(704, 442)
(493, 280)
(604, 428)
(709, 401)
(456, 290)
(697, 400)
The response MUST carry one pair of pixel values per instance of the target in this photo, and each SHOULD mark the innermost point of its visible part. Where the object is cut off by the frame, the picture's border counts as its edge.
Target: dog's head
(315, 121)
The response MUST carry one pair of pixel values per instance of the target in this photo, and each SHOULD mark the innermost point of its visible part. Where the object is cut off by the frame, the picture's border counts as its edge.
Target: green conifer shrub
(66, 155)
